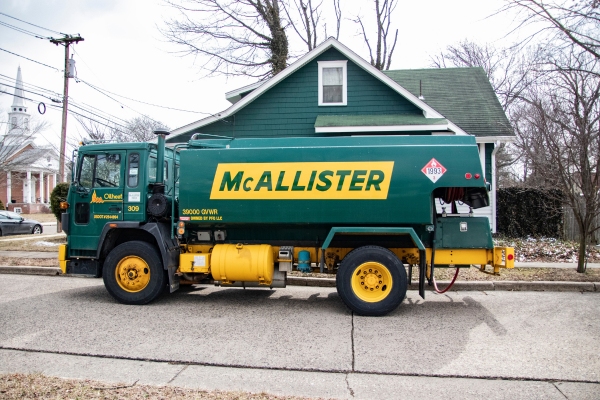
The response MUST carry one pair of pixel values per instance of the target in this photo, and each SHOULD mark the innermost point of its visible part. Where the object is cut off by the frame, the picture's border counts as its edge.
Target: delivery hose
(449, 286)
(433, 242)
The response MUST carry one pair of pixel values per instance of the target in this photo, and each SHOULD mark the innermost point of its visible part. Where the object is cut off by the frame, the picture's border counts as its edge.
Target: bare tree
(381, 58)
(566, 22)
(138, 129)
(560, 130)
(304, 17)
(141, 129)
(338, 18)
(232, 37)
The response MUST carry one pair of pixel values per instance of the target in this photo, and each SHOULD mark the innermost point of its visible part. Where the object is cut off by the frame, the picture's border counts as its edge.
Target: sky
(123, 52)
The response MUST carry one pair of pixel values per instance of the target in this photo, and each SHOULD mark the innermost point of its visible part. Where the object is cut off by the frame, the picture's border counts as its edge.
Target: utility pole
(66, 41)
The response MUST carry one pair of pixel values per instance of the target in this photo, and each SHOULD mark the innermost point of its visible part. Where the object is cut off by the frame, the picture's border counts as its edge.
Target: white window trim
(334, 64)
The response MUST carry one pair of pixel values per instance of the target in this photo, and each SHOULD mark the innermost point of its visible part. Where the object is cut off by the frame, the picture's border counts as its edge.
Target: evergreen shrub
(59, 193)
(523, 212)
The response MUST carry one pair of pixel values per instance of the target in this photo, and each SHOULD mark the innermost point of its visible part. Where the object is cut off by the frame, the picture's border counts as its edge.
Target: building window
(26, 123)
(333, 80)
(14, 122)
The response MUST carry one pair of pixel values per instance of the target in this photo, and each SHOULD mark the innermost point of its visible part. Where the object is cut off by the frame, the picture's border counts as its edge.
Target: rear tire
(371, 281)
(133, 273)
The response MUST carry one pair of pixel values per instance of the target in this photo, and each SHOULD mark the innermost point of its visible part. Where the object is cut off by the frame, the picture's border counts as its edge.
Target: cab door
(98, 198)
(134, 205)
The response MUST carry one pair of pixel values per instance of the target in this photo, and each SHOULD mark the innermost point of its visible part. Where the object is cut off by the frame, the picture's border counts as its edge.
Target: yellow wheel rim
(132, 274)
(371, 282)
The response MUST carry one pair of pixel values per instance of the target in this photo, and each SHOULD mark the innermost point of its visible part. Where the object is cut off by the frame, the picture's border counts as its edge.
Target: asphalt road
(303, 341)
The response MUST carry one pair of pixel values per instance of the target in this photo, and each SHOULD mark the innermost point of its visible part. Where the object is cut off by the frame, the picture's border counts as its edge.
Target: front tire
(133, 273)
(371, 281)
(37, 230)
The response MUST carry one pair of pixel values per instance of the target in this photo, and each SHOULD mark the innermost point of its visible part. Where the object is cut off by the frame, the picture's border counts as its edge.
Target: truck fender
(167, 246)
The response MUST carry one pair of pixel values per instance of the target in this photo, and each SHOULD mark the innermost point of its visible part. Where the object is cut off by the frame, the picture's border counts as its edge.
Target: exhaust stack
(160, 156)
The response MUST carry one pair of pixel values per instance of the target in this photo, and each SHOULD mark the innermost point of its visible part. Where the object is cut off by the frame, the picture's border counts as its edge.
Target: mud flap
(422, 268)
(173, 279)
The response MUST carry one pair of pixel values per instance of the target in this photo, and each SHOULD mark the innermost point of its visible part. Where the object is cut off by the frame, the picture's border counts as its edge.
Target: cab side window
(102, 170)
(133, 170)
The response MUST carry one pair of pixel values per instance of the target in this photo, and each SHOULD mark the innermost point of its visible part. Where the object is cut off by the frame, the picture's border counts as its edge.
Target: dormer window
(333, 85)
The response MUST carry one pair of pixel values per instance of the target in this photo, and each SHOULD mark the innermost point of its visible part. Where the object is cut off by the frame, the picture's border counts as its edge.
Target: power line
(21, 30)
(107, 116)
(113, 117)
(143, 102)
(102, 111)
(71, 111)
(29, 23)
(99, 116)
(36, 93)
(41, 63)
(12, 80)
(96, 121)
(115, 100)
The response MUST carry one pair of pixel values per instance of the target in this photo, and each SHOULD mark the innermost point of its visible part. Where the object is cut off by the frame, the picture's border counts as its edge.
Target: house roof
(463, 95)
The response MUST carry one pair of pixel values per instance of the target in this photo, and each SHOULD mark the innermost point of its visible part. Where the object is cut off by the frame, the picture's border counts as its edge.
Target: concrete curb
(479, 286)
(29, 270)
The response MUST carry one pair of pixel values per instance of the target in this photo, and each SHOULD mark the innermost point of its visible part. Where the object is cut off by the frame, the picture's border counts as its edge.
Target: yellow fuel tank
(237, 262)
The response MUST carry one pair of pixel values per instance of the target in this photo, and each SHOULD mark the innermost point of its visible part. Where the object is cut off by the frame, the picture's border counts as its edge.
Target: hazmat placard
(434, 170)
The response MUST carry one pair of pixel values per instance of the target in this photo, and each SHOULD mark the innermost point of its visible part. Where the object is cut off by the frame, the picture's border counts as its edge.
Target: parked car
(12, 223)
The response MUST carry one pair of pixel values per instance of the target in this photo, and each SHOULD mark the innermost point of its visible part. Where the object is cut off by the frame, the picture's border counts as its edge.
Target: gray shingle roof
(463, 95)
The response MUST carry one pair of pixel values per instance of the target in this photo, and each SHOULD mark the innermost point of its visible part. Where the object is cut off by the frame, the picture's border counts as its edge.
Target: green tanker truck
(246, 212)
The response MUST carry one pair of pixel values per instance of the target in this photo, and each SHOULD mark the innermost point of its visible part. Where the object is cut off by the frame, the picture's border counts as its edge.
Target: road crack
(177, 374)
(348, 386)
(352, 341)
(561, 392)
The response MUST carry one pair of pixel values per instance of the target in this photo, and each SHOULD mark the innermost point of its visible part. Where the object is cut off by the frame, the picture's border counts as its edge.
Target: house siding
(291, 107)
(489, 149)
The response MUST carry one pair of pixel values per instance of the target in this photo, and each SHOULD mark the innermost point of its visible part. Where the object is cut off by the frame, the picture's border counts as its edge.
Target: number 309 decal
(133, 208)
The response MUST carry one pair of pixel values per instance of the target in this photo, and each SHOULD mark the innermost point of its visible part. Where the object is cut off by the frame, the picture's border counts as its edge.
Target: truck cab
(111, 188)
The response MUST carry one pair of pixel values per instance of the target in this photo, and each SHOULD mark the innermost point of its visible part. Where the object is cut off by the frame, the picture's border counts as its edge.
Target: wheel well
(116, 237)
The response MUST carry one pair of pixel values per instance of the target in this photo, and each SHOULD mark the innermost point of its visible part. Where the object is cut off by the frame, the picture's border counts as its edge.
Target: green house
(331, 91)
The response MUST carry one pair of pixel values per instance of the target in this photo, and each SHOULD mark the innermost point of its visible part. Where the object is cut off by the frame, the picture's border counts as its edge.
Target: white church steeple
(18, 118)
